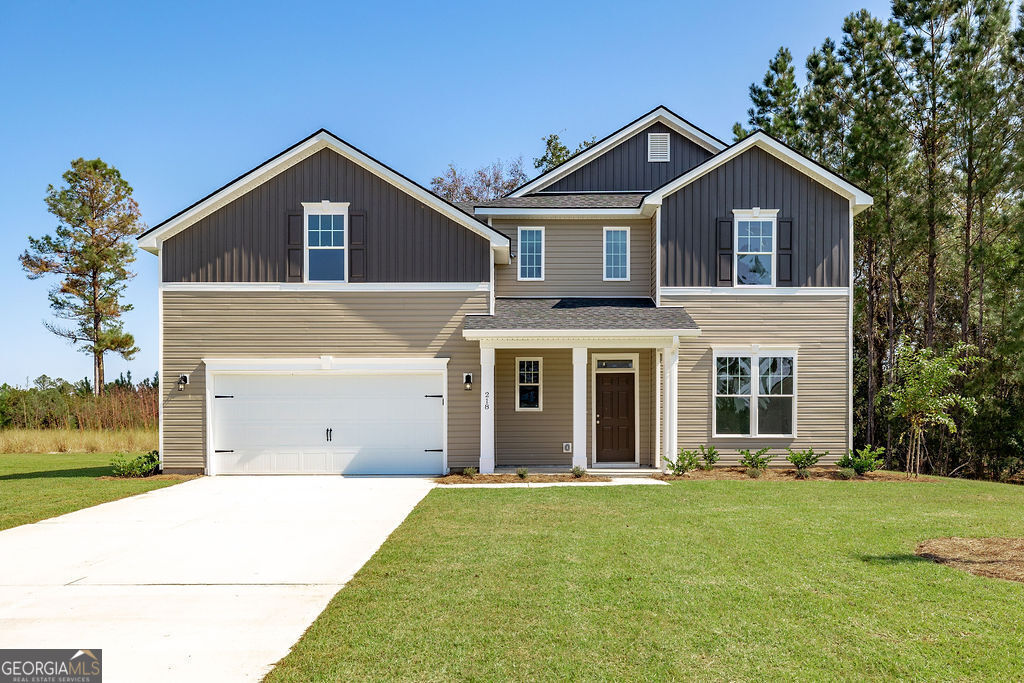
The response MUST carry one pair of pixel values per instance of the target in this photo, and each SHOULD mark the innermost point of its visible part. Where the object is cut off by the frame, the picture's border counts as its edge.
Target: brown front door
(616, 412)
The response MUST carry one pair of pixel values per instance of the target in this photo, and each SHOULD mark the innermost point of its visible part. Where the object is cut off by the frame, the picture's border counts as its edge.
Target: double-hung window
(531, 253)
(755, 247)
(616, 253)
(755, 393)
(326, 225)
(528, 383)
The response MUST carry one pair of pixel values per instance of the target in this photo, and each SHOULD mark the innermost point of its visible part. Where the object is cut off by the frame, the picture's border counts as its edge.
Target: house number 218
(487, 400)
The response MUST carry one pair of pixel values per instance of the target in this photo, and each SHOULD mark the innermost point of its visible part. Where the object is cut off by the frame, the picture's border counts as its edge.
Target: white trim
(658, 410)
(660, 114)
(667, 137)
(540, 385)
(860, 199)
(317, 142)
(487, 410)
(749, 215)
(849, 342)
(670, 365)
(604, 253)
(324, 208)
(594, 371)
(492, 293)
(519, 253)
(509, 212)
(321, 365)
(754, 352)
(325, 286)
(579, 406)
(657, 257)
(581, 296)
(160, 355)
(754, 291)
(580, 334)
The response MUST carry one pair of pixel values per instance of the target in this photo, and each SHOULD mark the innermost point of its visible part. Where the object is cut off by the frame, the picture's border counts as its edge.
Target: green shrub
(867, 459)
(522, 472)
(686, 461)
(709, 456)
(754, 472)
(144, 465)
(847, 473)
(803, 461)
(578, 471)
(757, 461)
(469, 472)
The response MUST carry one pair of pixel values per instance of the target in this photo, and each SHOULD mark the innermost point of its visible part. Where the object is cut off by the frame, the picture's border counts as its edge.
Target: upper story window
(528, 378)
(755, 247)
(658, 148)
(531, 253)
(326, 241)
(755, 393)
(616, 253)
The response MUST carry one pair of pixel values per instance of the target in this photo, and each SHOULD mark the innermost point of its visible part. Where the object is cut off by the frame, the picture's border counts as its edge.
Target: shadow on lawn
(91, 472)
(893, 559)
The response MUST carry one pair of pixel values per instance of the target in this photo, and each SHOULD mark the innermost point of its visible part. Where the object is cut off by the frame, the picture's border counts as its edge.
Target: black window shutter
(724, 230)
(293, 247)
(785, 251)
(357, 246)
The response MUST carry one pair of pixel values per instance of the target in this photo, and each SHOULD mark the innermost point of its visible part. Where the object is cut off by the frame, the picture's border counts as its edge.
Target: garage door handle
(228, 450)
(433, 450)
(222, 396)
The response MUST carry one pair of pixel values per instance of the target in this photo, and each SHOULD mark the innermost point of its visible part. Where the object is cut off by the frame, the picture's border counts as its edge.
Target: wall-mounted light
(467, 380)
(182, 381)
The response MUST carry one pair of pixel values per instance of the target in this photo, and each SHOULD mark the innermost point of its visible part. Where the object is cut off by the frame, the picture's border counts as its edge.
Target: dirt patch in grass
(154, 477)
(786, 474)
(997, 558)
(515, 479)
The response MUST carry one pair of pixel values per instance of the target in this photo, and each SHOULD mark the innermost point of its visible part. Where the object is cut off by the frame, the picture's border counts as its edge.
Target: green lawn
(37, 486)
(711, 580)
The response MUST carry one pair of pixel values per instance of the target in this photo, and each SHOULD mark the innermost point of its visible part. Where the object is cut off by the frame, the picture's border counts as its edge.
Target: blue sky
(185, 96)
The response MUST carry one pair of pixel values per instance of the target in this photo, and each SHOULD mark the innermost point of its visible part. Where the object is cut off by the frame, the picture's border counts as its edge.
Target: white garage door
(328, 424)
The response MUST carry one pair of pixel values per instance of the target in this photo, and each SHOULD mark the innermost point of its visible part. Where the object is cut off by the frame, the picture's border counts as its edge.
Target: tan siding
(574, 259)
(310, 324)
(819, 326)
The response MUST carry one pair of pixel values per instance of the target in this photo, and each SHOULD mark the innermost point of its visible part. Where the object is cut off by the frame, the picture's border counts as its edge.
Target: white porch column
(579, 407)
(670, 402)
(486, 410)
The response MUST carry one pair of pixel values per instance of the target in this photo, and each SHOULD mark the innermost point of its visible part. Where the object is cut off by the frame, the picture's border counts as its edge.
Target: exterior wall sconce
(182, 381)
(467, 379)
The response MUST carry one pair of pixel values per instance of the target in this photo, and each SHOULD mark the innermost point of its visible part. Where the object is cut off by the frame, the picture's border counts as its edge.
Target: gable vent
(657, 147)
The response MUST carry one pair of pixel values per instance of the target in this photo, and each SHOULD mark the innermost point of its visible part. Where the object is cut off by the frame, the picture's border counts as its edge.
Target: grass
(35, 487)
(77, 440)
(704, 579)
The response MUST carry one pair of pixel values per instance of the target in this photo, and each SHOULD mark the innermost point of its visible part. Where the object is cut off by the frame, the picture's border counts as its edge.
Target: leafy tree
(923, 394)
(556, 152)
(485, 183)
(775, 109)
(90, 249)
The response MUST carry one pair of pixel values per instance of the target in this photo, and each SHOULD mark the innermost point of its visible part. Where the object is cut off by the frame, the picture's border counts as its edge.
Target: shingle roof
(581, 314)
(588, 200)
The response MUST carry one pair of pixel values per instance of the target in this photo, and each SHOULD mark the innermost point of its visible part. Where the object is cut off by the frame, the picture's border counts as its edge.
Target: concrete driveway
(212, 579)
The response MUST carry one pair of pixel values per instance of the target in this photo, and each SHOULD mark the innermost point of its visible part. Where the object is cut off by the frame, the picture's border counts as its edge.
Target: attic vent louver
(657, 147)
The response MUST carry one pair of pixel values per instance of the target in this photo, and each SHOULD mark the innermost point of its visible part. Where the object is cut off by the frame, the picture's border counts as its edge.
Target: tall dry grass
(16, 440)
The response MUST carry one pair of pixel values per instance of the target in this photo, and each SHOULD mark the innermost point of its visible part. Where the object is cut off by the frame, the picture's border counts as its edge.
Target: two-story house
(323, 313)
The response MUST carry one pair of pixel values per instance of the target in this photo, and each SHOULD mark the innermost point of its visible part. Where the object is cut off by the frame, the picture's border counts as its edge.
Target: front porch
(588, 383)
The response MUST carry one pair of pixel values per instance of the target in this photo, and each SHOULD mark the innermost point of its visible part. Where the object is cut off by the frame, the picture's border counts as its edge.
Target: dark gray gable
(813, 224)
(395, 237)
(625, 168)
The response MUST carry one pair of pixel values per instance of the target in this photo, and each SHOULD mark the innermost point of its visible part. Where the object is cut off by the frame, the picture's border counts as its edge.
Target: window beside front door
(530, 253)
(616, 253)
(326, 225)
(755, 394)
(528, 384)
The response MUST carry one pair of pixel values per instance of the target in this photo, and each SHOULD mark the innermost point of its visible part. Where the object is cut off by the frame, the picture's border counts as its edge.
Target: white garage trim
(322, 365)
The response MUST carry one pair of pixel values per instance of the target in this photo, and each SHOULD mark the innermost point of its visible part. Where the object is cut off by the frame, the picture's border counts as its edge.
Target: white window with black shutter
(326, 241)
(755, 247)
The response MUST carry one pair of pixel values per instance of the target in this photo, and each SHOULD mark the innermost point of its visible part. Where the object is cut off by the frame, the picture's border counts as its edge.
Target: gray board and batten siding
(393, 237)
(813, 225)
(625, 167)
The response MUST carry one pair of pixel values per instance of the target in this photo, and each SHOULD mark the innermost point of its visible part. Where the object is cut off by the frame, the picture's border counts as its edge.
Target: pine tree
(775, 109)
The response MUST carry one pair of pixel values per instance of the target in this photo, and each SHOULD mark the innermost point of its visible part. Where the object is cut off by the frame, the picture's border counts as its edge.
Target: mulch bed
(997, 558)
(786, 474)
(515, 479)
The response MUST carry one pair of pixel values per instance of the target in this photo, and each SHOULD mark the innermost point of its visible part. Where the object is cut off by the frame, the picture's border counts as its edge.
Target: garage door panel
(381, 423)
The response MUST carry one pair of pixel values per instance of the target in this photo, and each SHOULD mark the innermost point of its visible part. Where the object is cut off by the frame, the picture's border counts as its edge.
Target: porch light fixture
(182, 381)
(467, 380)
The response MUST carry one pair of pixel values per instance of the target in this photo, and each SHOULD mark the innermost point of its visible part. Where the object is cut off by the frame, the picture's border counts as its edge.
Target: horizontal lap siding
(819, 326)
(311, 324)
(625, 166)
(532, 437)
(574, 260)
